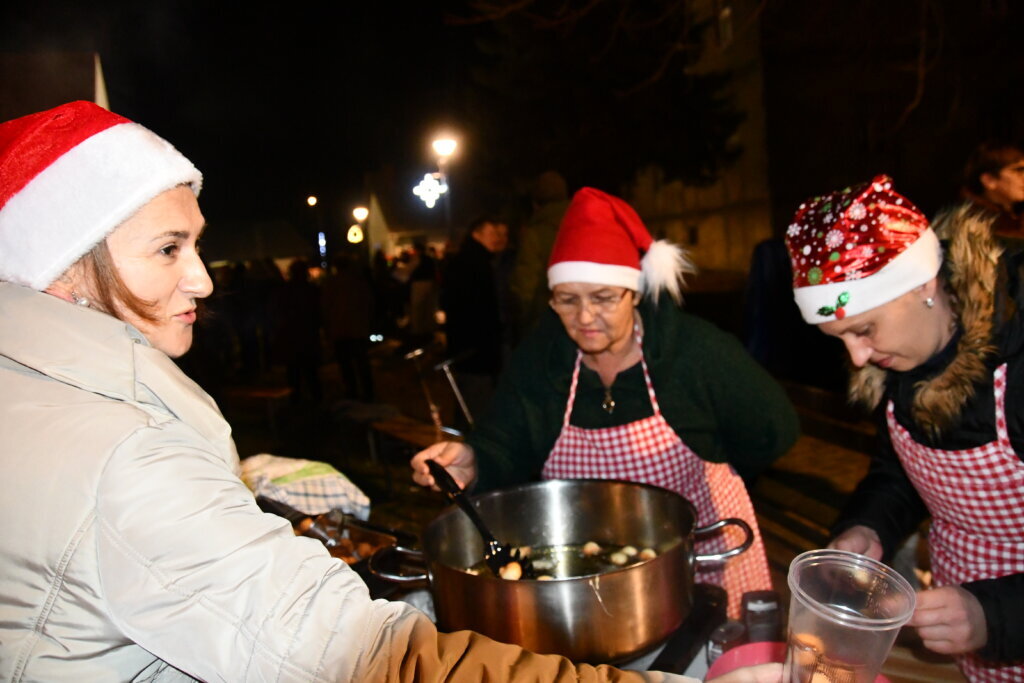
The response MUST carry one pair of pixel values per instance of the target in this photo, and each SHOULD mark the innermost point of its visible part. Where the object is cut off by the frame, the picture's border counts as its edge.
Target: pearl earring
(79, 300)
(929, 302)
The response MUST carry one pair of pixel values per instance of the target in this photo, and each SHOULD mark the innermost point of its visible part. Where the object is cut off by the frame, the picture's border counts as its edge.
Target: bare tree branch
(922, 68)
(487, 12)
(671, 9)
(564, 16)
(613, 34)
(674, 49)
(571, 12)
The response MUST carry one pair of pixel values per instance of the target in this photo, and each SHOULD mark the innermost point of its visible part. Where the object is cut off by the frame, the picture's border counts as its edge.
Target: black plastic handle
(706, 613)
(280, 509)
(445, 482)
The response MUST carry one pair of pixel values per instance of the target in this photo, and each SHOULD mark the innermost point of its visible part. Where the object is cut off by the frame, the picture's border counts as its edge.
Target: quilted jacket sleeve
(192, 571)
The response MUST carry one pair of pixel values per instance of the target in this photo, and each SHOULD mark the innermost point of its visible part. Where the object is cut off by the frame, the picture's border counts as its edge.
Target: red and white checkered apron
(976, 499)
(650, 452)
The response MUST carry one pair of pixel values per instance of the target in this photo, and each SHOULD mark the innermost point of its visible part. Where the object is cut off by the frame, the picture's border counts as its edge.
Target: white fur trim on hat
(663, 268)
(76, 201)
(594, 273)
(918, 264)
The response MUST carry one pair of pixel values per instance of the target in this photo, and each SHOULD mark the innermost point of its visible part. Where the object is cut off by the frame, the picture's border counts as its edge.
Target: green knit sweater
(722, 404)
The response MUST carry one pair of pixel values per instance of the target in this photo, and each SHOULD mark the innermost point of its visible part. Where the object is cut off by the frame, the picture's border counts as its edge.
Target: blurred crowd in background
(470, 301)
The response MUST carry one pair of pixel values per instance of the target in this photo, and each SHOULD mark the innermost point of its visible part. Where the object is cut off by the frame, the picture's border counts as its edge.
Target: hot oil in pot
(578, 560)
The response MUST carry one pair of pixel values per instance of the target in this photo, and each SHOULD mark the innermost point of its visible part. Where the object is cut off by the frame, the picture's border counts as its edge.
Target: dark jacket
(722, 404)
(469, 298)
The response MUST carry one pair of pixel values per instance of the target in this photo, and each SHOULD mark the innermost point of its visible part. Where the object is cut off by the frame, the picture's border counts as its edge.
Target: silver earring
(79, 300)
(929, 302)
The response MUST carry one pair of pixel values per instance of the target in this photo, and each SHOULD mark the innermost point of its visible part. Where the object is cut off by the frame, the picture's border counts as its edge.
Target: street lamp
(444, 148)
(355, 232)
(311, 200)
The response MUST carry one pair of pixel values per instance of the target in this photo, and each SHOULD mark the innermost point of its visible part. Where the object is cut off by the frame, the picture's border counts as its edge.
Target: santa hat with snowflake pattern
(857, 249)
(601, 240)
(68, 177)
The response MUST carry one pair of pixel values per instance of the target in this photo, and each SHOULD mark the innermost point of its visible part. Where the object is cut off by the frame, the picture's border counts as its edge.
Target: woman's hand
(950, 620)
(457, 457)
(760, 673)
(859, 539)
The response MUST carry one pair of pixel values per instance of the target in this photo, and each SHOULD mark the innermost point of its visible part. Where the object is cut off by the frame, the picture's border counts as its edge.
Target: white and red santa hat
(858, 248)
(68, 177)
(602, 241)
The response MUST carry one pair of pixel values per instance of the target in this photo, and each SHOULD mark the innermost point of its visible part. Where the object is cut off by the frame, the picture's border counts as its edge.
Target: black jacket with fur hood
(948, 403)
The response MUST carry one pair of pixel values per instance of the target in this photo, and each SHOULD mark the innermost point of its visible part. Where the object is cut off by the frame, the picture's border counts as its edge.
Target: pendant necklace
(608, 403)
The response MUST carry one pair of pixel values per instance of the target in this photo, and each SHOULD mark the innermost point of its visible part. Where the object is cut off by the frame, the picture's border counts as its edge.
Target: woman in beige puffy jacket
(132, 551)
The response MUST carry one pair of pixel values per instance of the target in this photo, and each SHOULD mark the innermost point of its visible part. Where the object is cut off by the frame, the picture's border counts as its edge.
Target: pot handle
(732, 552)
(376, 558)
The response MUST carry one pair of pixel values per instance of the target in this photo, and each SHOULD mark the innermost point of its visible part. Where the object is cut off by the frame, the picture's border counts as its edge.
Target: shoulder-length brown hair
(108, 291)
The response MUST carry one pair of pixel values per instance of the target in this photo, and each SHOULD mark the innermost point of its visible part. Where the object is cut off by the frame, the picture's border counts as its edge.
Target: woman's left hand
(950, 620)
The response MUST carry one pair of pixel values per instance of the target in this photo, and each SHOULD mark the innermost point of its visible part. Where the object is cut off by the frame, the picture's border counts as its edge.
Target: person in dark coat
(469, 298)
(347, 306)
(994, 182)
(297, 332)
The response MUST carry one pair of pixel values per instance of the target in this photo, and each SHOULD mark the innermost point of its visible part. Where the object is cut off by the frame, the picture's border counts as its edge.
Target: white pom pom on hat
(603, 241)
(68, 177)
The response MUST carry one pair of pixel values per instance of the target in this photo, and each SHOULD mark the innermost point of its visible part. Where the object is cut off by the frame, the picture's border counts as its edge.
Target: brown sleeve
(465, 656)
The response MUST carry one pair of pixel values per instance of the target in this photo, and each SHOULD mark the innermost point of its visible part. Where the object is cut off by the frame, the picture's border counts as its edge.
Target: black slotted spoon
(496, 555)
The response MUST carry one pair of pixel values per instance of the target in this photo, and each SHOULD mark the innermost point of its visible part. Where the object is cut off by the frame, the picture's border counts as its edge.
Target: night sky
(276, 102)
(271, 101)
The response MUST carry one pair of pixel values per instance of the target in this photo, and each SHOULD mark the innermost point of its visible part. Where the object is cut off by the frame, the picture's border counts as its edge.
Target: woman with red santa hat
(131, 549)
(617, 382)
(936, 336)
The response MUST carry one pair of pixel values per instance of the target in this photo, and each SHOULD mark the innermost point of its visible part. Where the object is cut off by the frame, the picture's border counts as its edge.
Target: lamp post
(444, 147)
(321, 238)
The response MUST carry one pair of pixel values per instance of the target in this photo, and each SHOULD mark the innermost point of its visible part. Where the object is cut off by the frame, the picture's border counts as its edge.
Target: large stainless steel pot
(602, 618)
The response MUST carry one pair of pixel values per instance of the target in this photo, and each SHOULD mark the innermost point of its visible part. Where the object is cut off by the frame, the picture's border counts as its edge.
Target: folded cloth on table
(306, 485)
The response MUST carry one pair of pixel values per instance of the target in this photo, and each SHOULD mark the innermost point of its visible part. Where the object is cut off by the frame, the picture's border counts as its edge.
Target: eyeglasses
(571, 304)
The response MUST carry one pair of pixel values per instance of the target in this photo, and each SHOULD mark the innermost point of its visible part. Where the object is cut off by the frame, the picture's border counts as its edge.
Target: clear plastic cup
(845, 612)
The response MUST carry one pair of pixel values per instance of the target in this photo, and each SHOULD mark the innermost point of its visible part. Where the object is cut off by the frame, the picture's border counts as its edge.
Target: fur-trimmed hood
(974, 276)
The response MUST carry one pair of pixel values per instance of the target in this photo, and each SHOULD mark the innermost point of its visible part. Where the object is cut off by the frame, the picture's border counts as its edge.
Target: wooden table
(401, 437)
(905, 665)
(411, 432)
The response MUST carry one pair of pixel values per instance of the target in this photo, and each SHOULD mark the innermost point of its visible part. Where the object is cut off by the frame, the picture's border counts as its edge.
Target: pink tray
(754, 653)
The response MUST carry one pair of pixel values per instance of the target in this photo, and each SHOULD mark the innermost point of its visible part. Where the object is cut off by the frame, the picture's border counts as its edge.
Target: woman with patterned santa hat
(936, 338)
(617, 382)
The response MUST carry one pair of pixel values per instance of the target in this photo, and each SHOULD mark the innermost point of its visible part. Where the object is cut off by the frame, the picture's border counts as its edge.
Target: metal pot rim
(571, 484)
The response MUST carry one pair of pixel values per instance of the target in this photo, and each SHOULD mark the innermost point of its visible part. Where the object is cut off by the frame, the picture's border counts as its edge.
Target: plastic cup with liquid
(844, 614)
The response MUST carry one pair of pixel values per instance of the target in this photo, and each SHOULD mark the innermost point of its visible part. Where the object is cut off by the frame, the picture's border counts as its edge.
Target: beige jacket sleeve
(193, 572)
